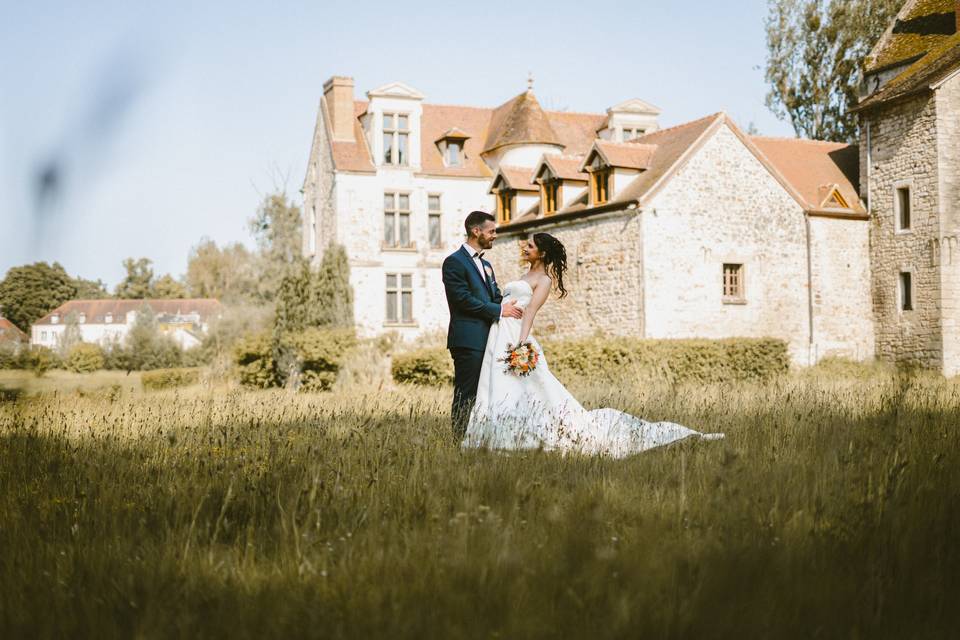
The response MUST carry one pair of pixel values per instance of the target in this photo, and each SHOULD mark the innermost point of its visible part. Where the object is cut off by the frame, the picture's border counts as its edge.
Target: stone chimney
(338, 92)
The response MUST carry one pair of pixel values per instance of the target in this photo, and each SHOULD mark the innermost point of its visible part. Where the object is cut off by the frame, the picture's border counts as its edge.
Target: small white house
(108, 321)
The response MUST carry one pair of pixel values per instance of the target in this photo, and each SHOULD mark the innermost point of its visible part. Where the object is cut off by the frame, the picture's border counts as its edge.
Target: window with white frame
(434, 218)
(629, 133)
(396, 138)
(396, 221)
(399, 298)
(454, 154)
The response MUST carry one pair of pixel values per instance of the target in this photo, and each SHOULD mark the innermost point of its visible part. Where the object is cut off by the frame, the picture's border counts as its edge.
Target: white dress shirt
(471, 252)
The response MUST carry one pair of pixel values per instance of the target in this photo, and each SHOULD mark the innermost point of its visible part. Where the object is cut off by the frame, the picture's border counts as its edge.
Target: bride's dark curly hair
(554, 257)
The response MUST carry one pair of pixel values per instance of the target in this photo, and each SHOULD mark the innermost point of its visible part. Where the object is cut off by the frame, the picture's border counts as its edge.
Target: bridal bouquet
(520, 360)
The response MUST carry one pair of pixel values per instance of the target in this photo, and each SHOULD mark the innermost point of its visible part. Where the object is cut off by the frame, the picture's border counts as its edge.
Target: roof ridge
(796, 139)
(712, 116)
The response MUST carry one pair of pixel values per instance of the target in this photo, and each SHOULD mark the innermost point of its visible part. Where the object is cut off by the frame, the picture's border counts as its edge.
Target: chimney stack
(338, 93)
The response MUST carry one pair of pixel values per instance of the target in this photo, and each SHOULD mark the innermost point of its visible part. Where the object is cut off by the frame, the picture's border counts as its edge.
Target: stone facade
(604, 280)
(899, 154)
(657, 271)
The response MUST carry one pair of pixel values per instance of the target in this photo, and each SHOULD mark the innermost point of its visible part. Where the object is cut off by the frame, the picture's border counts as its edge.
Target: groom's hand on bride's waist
(511, 310)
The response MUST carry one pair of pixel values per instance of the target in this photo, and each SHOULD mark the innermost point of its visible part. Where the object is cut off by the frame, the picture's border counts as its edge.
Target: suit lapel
(473, 267)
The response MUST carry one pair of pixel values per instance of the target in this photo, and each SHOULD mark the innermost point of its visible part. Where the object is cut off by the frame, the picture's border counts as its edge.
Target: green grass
(830, 510)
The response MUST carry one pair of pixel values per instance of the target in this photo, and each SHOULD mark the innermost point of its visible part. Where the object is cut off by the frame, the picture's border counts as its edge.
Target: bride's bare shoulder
(544, 281)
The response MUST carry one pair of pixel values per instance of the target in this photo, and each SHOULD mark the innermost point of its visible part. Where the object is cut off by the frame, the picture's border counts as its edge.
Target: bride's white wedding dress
(537, 412)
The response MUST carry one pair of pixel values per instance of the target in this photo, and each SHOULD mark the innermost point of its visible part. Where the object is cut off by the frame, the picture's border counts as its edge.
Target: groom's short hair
(476, 219)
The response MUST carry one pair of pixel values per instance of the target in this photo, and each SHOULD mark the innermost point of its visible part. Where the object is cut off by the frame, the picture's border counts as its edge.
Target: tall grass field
(832, 509)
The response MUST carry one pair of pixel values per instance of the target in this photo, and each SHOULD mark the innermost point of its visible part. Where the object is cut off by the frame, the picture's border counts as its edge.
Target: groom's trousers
(466, 377)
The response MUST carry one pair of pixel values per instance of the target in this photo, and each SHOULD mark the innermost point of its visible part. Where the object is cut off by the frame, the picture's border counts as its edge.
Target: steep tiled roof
(920, 26)
(575, 131)
(628, 155)
(435, 121)
(517, 121)
(813, 168)
(515, 177)
(671, 144)
(10, 332)
(96, 310)
(937, 64)
(564, 166)
(353, 156)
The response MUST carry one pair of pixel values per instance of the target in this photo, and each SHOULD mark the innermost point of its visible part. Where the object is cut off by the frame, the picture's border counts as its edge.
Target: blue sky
(152, 125)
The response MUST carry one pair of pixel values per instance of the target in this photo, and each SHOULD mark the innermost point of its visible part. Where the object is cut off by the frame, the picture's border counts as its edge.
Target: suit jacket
(474, 302)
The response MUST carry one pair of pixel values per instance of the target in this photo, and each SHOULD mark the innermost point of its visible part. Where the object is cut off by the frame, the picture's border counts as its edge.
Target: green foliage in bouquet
(427, 367)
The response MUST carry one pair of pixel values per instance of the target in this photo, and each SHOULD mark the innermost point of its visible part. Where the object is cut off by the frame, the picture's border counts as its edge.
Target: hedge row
(169, 378)
(613, 359)
(308, 360)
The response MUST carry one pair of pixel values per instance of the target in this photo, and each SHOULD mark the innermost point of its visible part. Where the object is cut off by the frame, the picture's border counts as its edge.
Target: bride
(536, 411)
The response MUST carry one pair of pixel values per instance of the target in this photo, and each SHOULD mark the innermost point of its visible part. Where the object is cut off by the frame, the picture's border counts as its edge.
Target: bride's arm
(540, 294)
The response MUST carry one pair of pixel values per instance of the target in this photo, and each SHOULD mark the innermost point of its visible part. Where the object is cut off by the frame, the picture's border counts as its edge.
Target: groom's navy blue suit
(474, 303)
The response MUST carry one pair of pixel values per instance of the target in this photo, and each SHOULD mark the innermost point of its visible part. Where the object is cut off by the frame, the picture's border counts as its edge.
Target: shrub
(253, 357)
(9, 359)
(169, 378)
(429, 367)
(319, 354)
(697, 360)
(85, 357)
(41, 360)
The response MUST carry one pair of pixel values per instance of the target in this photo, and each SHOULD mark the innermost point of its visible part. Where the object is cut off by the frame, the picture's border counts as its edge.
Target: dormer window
(82, 318)
(54, 319)
(396, 138)
(108, 318)
(630, 133)
(550, 197)
(454, 153)
(599, 181)
(451, 145)
(505, 205)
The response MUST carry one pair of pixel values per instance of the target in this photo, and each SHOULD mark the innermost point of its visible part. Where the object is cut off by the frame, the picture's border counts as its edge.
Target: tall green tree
(277, 230)
(167, 287)
(225, 273)
(29, 292)
(137, 284)
(332, 295)
(815, 51)
(90, 289)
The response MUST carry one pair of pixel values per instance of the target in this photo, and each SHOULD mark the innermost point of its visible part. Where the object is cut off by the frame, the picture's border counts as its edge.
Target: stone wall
(724, 206)
(604, 279)
(903, 152)
(319, 198)
(948, 162)
(840, 267)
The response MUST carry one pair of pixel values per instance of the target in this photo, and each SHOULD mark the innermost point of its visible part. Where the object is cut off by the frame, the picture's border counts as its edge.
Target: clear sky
(135, 129)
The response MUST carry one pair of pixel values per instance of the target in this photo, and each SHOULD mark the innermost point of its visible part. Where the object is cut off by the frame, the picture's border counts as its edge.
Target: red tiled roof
(575, 131)
(519, 121)
(10, 332)
(95, 310)
(563, 166)
(628, 155)
(353, 156)
(813, 168)
(519, 178)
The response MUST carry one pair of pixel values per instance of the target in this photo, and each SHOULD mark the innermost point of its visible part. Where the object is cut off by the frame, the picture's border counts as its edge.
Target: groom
(475, 301)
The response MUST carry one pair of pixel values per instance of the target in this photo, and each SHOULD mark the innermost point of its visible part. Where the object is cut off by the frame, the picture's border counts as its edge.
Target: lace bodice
(519, 291)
